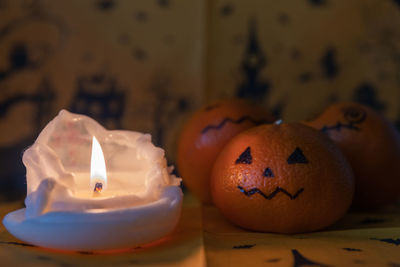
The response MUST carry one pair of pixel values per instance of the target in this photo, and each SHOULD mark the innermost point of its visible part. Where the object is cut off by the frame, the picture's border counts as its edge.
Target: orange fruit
(371, 145)
(287, 178)
(206, 133)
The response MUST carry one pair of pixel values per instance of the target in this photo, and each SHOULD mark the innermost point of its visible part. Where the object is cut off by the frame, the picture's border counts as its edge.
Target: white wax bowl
(99, 229)
(142, 203)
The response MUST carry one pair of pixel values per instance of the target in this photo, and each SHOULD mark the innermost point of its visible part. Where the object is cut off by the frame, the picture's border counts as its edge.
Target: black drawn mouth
(353, 116)
(277, 190)
(227, 120)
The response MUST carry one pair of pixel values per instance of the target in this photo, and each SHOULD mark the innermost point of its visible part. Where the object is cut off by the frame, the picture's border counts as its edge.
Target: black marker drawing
(300, 260)
(245, 157)
(273, 260)
(297, 157)
(268, 173)
(352, 249)
(229, 120)
(388, 240)
(247, 246)
(353, 116)
(17, 244)
(277, 190)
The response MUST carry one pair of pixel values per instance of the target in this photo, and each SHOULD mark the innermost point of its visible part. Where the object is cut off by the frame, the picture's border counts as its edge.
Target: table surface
(204, 238)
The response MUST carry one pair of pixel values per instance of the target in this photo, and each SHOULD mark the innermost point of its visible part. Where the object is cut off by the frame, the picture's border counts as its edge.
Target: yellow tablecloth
(204, 238)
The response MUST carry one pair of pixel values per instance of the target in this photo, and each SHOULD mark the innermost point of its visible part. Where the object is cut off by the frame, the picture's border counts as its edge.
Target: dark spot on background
(352, 249)
(317, 2)
(139, 54)
(19, 56)
(393, 264)
(164, 3)
(305, 77)
(253, 86)
(278, 108)
(100, 97)
(247, 246)
(141, 16)
(273, 260)
(106, 5)
(124, 39)
(367, 94)
(283, 19)
(183, 104)
(328, 63)
(296, 54)
(226, 10)
(372, 221)
(397, 2)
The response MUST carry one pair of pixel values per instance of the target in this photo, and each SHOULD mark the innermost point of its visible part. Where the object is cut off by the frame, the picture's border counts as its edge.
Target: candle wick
(98, 187)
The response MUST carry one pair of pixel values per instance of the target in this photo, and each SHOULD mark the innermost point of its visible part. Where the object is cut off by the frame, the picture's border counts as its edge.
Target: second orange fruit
(206, 133)
(372, 146)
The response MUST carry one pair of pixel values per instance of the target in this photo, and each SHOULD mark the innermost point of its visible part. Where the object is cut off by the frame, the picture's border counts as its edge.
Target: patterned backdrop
(146, 64)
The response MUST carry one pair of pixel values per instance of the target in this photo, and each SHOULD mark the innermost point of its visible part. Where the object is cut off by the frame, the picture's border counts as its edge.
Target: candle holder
(75, 203)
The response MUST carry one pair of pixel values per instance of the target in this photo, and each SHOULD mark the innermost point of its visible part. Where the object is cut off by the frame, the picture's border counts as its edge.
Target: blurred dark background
(146, 64)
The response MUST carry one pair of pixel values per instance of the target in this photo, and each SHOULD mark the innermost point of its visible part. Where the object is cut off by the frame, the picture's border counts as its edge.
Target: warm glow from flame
(98, 174)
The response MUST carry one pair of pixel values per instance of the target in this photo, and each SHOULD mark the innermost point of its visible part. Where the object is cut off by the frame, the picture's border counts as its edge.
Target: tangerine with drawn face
(372, 146)
(206, 133)
(286, 178)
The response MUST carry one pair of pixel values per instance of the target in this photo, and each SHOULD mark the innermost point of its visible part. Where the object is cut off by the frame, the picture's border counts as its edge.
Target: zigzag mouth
(272, 195)
(238, 121)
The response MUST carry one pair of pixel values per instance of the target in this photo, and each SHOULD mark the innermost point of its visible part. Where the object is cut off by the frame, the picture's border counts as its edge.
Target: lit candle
(74, 204)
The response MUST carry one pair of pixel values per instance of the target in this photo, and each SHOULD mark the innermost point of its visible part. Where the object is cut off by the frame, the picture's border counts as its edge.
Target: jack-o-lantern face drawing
(296, 157)
(286, 178)
(352, 117)
(362, 134)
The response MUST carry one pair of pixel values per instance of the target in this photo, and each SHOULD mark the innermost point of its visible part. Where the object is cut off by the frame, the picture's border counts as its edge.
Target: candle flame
(98, 174)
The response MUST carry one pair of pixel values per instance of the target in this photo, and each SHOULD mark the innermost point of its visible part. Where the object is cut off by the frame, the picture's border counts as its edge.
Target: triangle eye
(297, 157)
(268, 173)
(245, 157)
